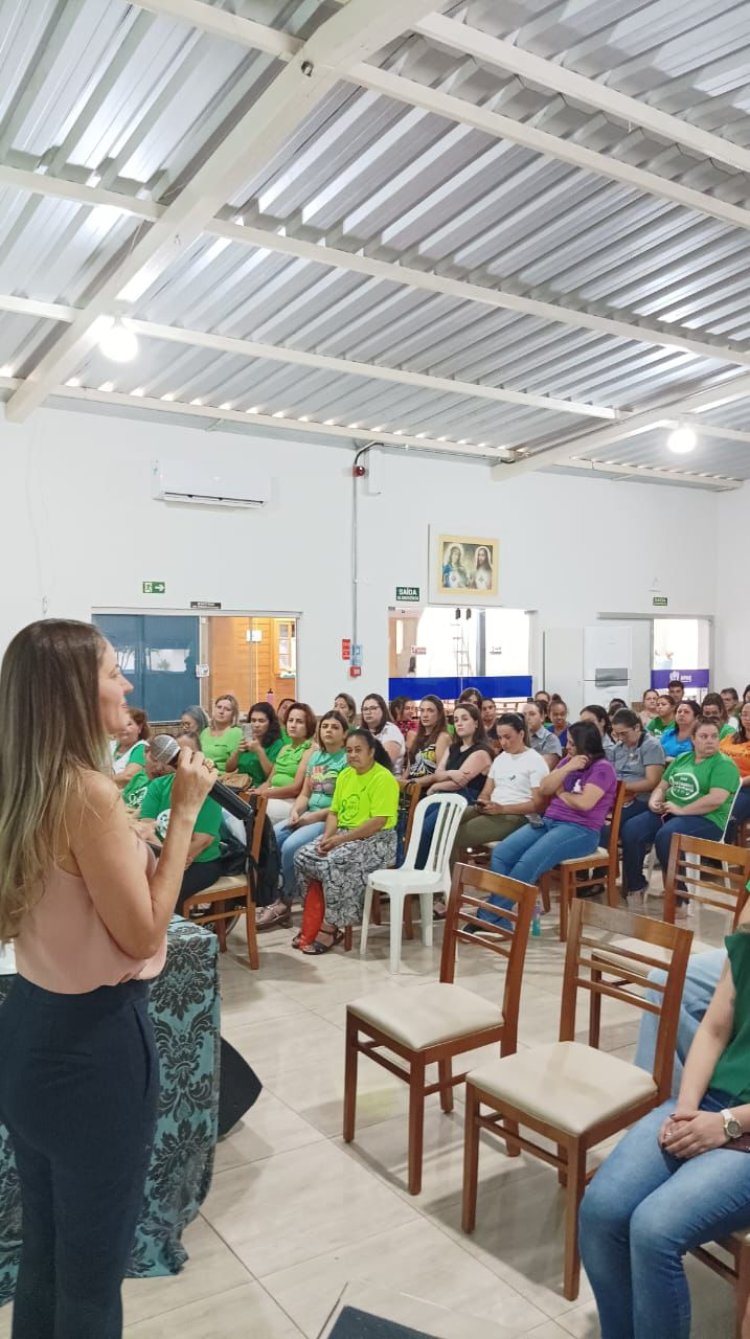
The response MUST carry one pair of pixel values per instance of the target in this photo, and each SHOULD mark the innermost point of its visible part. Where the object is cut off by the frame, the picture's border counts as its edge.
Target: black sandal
(316, 949)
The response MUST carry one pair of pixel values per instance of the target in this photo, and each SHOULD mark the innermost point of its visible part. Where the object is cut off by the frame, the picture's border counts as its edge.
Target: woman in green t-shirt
(306, 821)
(204, 865)
(129, 749)
(359, 837)
(222, 735)
(286, 780)
(261, 746)
(672, 1182)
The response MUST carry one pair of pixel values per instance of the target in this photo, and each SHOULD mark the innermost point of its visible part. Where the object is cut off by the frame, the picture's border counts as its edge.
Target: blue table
(185, 1008)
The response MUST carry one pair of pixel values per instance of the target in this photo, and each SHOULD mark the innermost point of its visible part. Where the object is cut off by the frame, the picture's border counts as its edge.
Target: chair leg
(408, 917)
(471, 1160)
(595, 1011)
(566, 894)
(348, 938)
(574, 1195)
(416, 1124)
(425, 911)
(366, 911)
(350, 1077)
(251, 933)
(445, 1075)
(221, 935)
(544, 883)
(743, 1292)
(395, 931)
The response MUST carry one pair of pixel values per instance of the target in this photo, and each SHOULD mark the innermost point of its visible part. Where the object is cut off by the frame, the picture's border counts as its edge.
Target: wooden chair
(573, 1093)
(736, 1270)
(212, 901)
(590, 865)
(442, 1020)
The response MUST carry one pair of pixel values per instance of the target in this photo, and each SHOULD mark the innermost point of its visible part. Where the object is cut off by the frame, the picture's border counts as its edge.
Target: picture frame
(464, 569)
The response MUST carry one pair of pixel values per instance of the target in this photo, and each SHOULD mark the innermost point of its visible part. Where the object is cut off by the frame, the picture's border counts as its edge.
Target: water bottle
(536, 924)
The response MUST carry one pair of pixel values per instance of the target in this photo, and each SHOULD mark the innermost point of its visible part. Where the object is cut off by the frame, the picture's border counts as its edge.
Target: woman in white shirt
(510, 793)
(377, 718)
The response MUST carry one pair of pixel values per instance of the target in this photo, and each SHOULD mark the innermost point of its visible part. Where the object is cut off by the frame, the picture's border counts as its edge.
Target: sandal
(277, 916)
(315, 949)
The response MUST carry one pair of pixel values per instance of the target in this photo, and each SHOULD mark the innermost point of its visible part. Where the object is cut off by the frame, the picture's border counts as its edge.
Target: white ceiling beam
(218, 23)
(247, 348)
(497, 53)
(643, 473)
(407, 276)
(357, 30)
(568, 151)
(210, 413)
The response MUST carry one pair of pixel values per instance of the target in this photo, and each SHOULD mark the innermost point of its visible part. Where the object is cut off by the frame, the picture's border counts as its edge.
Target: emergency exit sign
(408, 594)
(154, 588)
(661, 601)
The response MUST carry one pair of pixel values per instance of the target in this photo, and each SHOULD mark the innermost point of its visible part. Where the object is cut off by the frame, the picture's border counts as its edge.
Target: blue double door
(158, 654)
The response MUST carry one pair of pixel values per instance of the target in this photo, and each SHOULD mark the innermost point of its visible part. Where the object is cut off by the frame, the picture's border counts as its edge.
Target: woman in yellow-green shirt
(222, 736)
(359, 837)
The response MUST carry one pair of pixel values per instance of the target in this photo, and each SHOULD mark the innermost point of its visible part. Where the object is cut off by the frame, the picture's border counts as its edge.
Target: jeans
(701, 981)
(531, 851)
(640, 832)
(289, 841)
(629, 812)
(79, 1084)
(643, 1211)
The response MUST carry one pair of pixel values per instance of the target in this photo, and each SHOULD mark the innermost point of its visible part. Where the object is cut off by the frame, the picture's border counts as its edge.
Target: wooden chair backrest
(626, 979)
(259, 803)
(470, 890)
(616, 819)
(722, 889)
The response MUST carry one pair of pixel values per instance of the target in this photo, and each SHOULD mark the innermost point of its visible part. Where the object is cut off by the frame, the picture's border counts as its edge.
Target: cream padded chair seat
(228, 884)
(573, 1086)
(427, 1015)
(601, 853)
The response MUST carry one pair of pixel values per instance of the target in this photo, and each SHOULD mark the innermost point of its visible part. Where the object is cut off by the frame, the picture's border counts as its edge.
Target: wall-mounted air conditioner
(209, 486)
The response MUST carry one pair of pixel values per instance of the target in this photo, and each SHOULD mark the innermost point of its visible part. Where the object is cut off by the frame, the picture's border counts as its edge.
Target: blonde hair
(51, 732)
(229, 697)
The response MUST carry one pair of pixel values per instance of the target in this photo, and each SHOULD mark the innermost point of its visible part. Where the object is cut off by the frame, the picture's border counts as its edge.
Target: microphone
(165, 750)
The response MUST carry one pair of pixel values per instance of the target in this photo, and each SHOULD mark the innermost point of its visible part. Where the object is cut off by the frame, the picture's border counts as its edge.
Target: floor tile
(211, 1270)
(247, 1313)
(268, 1128)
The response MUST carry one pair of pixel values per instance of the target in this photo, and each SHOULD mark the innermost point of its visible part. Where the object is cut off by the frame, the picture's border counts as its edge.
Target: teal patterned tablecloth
(185, 1009)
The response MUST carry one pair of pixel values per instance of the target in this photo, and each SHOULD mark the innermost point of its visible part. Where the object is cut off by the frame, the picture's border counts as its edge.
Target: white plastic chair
(406, 881)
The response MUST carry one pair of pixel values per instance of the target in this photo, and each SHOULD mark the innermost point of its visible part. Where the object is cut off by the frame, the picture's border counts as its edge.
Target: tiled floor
(296, 1223)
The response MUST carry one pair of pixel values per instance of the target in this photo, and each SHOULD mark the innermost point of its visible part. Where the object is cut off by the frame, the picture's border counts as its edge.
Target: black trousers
(79, 1082)
(199, 875)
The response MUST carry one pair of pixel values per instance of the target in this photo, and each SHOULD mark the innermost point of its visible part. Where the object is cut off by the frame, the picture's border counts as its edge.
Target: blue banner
(449, 687)
(694, 678)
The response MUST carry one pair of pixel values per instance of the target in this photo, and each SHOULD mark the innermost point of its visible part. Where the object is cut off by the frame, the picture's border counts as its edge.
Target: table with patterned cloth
(185, 1009)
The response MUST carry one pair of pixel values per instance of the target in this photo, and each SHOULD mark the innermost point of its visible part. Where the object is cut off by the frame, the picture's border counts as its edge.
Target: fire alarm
(359, 471)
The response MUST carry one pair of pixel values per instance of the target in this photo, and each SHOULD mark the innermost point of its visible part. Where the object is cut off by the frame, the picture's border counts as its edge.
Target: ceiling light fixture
(7, 371)
(682, 440)
(118, 343)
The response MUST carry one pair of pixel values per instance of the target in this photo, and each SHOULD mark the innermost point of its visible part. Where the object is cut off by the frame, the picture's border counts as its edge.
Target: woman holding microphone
(87, 909)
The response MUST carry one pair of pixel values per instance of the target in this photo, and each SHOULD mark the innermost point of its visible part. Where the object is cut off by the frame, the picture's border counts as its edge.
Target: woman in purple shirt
(581, 792)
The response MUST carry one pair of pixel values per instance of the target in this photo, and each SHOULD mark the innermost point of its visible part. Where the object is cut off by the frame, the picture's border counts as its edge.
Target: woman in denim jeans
(673, 1183)
(581, 792)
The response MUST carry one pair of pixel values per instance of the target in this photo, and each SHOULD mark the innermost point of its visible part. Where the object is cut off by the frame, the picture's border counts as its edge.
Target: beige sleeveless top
(64, 945)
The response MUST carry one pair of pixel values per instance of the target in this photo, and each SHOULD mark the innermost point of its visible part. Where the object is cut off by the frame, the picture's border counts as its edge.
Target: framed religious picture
(463, 568)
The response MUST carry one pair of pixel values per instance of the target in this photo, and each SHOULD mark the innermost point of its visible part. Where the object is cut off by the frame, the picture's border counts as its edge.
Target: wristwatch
(732, 1127)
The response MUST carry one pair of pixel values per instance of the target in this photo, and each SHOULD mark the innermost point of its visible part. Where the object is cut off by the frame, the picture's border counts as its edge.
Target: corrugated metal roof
(118, 98)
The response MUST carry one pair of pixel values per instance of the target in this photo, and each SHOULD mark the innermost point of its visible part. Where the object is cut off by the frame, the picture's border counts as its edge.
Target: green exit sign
(408, 594)
(661, 601)
(154, 588)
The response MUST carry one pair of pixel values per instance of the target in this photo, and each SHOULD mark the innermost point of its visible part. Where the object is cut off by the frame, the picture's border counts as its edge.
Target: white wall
(79, 530)
(732, 648)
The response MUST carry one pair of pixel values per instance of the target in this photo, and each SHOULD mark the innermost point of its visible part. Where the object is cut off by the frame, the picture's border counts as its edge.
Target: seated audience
(541, 739)
(222, 736)
(678, 737)
(128, 750)
(344, 703)
(306, 821)
(194, 721)
(509, 795)
(282, 711)
(638, 760)
(732, 703)
(428, 742)
(377, 719)
(404, 714)
(558, 714)
(543, 700)
(650, 707)
(462, 768)
(600, 718)
(694, 797)
(204, 864)
(616, 704)
(359, 837)
(746, 693)
(473, 696)
(260, 747)
(713, 708)
(737, 747)
(664, 717)
(288, 775)
(676, 692)
(488, 711)
(580, 793)
(668, 1187)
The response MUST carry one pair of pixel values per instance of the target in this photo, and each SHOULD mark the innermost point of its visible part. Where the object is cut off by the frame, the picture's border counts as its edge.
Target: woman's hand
(326, 844)
(194, 777)
(489, 808)
(293, 819)
(656, 803)
(669, 808)
(686, 1134)
(578, 763)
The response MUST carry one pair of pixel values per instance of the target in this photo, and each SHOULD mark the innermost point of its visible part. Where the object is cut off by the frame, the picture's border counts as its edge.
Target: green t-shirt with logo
(732, 1072)
(657, 726)
(135, 790)
(157, 803)
(287, 762)
(220, 747)
(688, 780)
(249, 763)
(357, 798)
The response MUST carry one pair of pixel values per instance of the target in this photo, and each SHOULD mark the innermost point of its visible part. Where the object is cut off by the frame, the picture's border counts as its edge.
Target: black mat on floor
(239, 1088)
(356, 1324)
